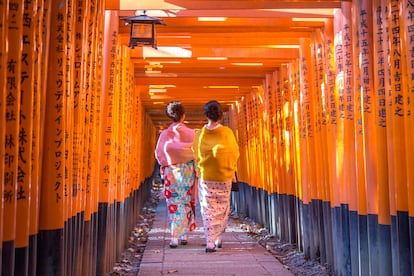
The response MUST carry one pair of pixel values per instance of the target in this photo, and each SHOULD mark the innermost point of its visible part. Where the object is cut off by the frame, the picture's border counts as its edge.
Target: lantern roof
(143, 18)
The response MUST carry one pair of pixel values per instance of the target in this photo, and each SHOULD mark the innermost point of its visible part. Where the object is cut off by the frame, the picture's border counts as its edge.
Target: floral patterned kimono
(214, 199)
(179, 192)
(174, 153)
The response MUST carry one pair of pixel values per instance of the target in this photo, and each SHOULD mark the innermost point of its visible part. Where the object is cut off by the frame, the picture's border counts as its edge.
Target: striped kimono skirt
(179, 193)
(214, 198)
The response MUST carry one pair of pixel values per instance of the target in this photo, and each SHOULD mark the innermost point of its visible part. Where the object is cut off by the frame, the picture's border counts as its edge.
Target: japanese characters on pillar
(12, 105)
(325, 85)
(135, 142)
(129, 79)
(339, 109)
(241, 122)
(96, 76)
(114, 168)
(268, 106)
(97, 99)
(347, 110)
(78, 61)
(397, 115)
(263, 132)
(125, 120)
(278, 128)
(355, 165)
(331, 107)
(25, 128)
(318, 110)
(3, 35)
(272, 121)
(368, 197)
(381, 80)
(250, 140)
(398, 107)
(120, 128)
(89, 107)
(54, 149)
(295, 114)
(319, 82)
(69, 98)
(255, 144)
(39, 77)
(287, 129)
(330, 70)
(305, 127)
(109, 71)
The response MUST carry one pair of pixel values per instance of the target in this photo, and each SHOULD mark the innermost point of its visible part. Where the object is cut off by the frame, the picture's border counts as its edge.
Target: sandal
(210, 250)
(183, 240)
(173, 243)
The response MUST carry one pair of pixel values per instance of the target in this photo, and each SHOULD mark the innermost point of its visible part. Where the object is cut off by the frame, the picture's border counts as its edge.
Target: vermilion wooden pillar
(52, 202)
(408, 44)
(366, 134)
(39, 45)
(106, 130)
(337, 155)
(11, 137)
(331, 129)
(25, 142)
(397, 111)
(306, 130)
(3, 81)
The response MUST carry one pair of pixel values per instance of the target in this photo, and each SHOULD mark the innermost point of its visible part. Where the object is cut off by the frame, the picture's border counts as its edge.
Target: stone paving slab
(240, 255)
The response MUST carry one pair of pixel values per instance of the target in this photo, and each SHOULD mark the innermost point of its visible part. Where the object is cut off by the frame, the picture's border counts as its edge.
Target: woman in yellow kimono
(216, 152)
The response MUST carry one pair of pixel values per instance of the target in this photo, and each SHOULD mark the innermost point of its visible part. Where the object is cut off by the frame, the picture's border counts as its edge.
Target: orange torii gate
(326, 140)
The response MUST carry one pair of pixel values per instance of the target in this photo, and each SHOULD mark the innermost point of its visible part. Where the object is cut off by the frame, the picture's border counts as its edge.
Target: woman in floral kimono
(216, 152)
(173, 152)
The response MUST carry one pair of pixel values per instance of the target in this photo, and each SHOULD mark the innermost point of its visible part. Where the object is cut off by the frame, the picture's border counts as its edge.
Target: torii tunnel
(320, 96)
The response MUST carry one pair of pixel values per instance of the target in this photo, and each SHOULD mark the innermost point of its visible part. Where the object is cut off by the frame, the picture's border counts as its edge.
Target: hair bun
(213, 111)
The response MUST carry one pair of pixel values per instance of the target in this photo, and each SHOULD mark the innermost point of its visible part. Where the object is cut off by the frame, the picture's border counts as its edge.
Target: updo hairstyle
(175, 111)
(213, 111)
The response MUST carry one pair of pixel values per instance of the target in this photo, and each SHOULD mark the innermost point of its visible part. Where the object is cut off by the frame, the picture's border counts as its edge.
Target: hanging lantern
(142, 30)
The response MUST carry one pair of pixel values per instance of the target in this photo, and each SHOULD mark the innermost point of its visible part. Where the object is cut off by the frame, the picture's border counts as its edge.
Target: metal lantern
(142, 30)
